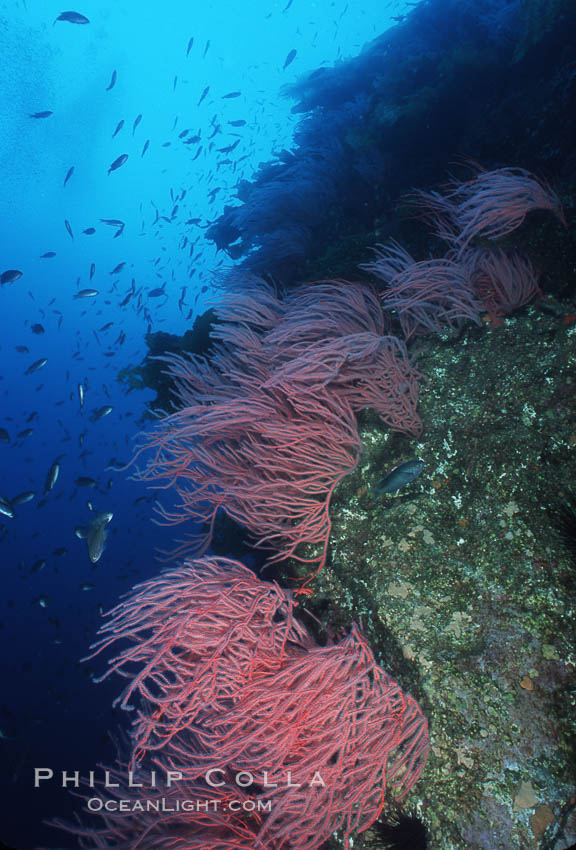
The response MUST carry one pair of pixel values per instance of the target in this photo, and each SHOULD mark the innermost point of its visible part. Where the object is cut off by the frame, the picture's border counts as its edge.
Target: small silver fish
(6, 508)
(87, 293)
(97, 535)
(52, 477)
(22, 498)
(101, 412)
(38, 364)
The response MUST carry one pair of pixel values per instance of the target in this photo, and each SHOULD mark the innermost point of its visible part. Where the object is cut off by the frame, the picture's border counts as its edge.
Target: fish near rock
(402, 475)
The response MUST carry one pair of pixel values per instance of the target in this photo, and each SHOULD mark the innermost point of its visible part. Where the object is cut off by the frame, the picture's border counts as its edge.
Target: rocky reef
(465, 580)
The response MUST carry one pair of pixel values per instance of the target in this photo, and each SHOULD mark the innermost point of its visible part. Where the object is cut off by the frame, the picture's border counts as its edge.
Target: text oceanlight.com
(97, 804)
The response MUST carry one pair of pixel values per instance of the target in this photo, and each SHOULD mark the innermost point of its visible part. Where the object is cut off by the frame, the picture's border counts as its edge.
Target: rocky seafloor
(465, 580)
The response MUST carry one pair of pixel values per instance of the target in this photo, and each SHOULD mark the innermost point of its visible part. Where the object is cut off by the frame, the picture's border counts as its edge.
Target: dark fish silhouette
(118, 162)
(92, 270)
(136, 122)
(229, 148)
(290, 58)
(190, 45)
(38, 364)
(175, 83)
(206, 48)
(117, 269)
(118, 128)
(10, 276)
(157, 293)
(146, 146)
(21, 499)
(45, 114)
(398, 478)
(203, 95)
(72, 18)
(112, 82)
(239, 123)
(68, 228)
(69, 174)
(90, 231)
(48, 255)
(231, 94)
(37, 328)
(52, 477)
(85, 481)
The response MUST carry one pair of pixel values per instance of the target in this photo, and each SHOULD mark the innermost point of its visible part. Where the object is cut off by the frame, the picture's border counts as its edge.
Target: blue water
(51, 712)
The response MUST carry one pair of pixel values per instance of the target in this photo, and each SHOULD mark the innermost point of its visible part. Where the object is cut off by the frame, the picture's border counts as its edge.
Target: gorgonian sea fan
(491, 204)
(226, 679)
(195, 635)
(270, 462)
(504, 282)
(331, 711)
(265, 429)
(426, 295)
